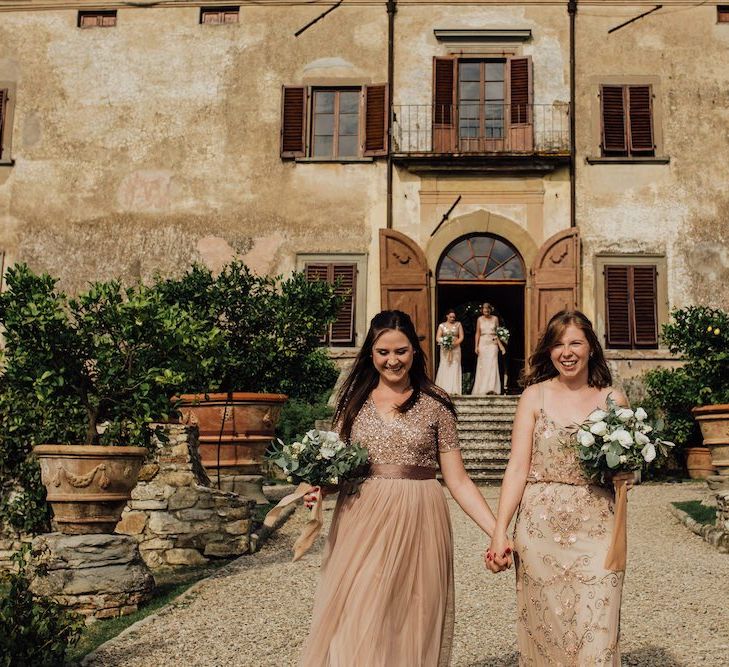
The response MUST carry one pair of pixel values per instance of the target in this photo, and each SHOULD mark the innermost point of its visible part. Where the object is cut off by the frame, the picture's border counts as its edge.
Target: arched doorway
(478, 268)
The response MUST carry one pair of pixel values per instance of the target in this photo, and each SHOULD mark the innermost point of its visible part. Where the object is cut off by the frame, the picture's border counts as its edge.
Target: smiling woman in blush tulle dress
(568, 603)
(385, 598)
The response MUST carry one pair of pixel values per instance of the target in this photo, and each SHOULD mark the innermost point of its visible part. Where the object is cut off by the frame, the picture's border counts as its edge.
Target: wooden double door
(552, 285)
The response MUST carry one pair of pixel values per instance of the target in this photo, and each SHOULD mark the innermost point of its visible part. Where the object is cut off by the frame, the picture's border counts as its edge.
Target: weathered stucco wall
(147, 146)
(679, 209)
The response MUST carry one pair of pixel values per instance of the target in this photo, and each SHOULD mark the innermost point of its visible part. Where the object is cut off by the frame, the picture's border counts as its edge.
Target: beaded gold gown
(568, 604)
(385, 596)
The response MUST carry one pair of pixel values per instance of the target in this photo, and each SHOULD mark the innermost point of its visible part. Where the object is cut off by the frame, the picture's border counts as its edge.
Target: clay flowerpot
(714, 423)
(235, 429)
(698, 462)
(88, 485)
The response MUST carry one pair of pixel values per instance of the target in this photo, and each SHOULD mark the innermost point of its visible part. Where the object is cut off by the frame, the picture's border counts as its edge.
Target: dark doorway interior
(508, 301)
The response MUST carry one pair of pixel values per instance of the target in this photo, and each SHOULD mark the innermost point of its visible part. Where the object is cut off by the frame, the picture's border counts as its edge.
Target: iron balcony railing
(488, 127)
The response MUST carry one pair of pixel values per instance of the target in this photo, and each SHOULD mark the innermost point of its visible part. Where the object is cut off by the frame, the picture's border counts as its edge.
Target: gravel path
(256, 611)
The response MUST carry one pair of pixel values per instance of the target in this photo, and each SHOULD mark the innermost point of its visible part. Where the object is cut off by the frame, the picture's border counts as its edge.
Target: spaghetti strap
(541, 387)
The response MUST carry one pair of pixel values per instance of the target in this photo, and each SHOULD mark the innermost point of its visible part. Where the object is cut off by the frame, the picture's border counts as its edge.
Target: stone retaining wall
(175, 515)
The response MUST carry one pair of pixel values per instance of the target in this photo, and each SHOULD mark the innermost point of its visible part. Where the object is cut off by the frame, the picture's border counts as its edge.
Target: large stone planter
(714, 423)
(88, 485)
(235, 429)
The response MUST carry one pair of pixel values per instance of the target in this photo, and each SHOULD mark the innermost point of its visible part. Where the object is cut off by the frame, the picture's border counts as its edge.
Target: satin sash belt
(389, 471)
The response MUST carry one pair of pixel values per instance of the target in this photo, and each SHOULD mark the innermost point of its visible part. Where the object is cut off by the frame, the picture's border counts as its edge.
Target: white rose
(641, 414)
(331, 437)
(339, 445)
(623, 437)
(641, 439)
(649, 452)
(644, 428)
(334, 480)
(624, 414)
(327, 451)
(586, 438)
(313, 434)
(599, 428)
(623, 459)
(597, 415)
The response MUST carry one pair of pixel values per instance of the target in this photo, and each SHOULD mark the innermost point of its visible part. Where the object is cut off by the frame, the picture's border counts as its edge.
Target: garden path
(255, 612)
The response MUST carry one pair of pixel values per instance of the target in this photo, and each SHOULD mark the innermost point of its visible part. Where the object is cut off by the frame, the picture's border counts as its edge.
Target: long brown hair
(540, 363)
(363, 377)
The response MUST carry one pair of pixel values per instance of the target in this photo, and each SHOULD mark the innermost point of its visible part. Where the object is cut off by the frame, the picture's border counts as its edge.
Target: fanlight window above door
(481, 257)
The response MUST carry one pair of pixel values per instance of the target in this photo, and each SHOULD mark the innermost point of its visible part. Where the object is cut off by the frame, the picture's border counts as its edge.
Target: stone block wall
(175, 515)
(11, 542)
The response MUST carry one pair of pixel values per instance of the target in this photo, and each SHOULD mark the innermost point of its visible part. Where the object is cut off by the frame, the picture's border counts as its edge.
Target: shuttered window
(722, 13)
(97, 19)
(478, 103)
(219, 15)
(342, 330)
(627, 121)
(3, 115)
(334, 123)
(631, 306)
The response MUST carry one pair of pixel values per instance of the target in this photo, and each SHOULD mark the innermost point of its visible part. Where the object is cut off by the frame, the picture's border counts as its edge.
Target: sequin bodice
(554, 458)
(412, 438)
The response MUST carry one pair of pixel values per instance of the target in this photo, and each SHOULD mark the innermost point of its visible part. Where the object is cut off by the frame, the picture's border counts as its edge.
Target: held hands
(499, 556)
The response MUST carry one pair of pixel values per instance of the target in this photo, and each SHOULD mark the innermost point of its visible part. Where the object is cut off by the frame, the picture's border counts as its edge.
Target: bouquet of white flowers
(320, 459)
(502, 333)
(613, 443)
(446, 340)
(618, 439)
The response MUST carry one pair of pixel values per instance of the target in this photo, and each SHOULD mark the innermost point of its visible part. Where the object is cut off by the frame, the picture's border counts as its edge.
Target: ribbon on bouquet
(617, 553)
(313, 526)
(449, 354)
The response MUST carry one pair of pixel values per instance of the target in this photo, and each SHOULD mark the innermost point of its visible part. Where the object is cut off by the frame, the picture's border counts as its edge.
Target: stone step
(491, 434)
(485, 418)
(485, 400)
(472, 411)
(492, 476)
(485, 455)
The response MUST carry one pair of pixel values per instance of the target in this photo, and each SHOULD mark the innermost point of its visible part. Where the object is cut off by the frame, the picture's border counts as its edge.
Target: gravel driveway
(256, 611)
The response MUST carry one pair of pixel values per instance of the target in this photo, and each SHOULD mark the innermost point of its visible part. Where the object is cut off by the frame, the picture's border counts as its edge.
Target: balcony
(481, 137)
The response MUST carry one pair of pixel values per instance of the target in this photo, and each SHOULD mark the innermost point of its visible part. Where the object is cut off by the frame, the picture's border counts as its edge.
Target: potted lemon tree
(696, 395)
(270, 330)
(83, 379)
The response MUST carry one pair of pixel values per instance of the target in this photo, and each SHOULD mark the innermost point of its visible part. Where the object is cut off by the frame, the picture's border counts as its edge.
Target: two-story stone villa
(534, 154)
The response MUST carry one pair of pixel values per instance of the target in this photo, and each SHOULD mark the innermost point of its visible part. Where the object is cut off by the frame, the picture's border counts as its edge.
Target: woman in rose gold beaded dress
(385, 597)
(568, 603)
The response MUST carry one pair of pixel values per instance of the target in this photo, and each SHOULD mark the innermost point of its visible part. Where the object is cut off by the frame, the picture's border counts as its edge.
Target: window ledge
(7, 163)
(661, 354)
(661, 159)
(341, 160)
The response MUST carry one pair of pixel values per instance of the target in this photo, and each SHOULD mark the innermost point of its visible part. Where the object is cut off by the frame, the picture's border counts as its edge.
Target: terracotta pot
(698, 462)
(235, 429)
(88, 485)
(714, 423)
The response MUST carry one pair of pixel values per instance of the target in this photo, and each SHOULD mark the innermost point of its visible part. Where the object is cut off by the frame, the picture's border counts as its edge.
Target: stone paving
(255, 612)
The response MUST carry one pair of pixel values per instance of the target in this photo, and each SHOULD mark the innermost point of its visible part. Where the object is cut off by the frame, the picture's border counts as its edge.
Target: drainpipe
(391, 9)
(572, 11)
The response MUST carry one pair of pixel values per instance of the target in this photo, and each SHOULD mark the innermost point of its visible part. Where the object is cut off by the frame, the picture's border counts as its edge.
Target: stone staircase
(484, 429)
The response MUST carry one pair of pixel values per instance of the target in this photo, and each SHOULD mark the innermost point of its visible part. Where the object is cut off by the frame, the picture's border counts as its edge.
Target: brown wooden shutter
(444, 104)
(405, 284)
(3, 104)
(318, 272)
(342, 329)
(555, 280)
(293, 121)
(640, 116)
(376, 116)
(613, 120)
(645, 320)
(520, 114)
(617, 306)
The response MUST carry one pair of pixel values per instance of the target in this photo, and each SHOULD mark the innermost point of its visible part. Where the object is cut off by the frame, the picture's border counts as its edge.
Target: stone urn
(88, 485)
(235, 429)
(698, 462)
(714, 423)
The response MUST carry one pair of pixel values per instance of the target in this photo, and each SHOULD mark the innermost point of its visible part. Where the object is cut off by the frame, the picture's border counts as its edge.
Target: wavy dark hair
(540, 364)
(363, 377)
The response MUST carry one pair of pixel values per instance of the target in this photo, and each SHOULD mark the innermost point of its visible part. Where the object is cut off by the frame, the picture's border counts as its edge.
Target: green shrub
(34, 630)
(270, 329)
(671, 393)
(298, 416)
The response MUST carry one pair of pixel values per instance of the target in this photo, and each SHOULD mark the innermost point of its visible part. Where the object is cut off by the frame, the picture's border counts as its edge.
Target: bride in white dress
(448, 376)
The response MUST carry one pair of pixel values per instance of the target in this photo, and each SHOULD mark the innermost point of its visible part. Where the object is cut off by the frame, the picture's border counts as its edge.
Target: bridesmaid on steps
(449, 374)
